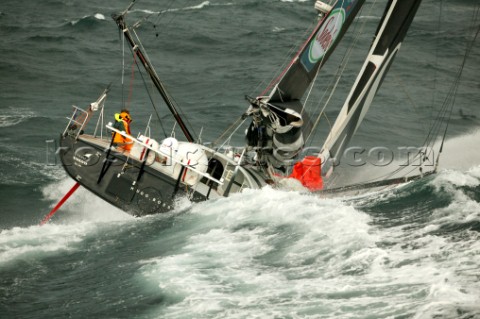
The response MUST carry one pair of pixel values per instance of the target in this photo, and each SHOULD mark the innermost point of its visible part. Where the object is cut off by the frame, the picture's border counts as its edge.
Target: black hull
(123, 182)
(140, 189)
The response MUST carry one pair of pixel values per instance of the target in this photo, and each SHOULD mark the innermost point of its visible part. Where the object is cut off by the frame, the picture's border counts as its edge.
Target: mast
(393, 27)
(119, 19)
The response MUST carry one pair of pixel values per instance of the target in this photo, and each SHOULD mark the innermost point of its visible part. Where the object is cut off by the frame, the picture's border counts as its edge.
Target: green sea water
(413, 252)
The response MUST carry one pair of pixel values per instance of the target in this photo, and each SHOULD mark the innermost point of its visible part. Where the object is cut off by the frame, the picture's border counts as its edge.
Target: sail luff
(298, 76)
(119, 19)
(397, 18)
(295, 58)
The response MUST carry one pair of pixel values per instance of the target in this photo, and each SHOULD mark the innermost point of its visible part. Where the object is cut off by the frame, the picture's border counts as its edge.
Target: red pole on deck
(60, 203)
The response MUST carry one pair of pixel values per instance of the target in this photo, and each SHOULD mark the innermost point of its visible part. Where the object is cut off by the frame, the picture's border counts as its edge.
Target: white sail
(396, 20)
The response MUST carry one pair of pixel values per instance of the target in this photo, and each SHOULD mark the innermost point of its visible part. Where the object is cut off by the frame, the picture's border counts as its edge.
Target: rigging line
(426, 147)
(437, 51)
(150, 96)
(234, 124)
(314, 81)
(412, 102)
(398, 170)
(435, 122)
(414, 168)
(233, 132)
(160, 14)
(450, 99)
(173, 15)
(457, 84)
(288, 61)
(123, 64)
(328, 120)
(436, 127)
(341, 69)
(146, 17)
(416, 157)
(283, 66)
(447, 108)
(122, 44)
(130, 92)
(170, 98)
(316, 76)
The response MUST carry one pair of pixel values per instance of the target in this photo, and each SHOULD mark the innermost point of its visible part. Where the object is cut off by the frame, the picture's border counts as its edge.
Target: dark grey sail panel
(396, 20)
(397, 25)
(316, 51)
(366, 76)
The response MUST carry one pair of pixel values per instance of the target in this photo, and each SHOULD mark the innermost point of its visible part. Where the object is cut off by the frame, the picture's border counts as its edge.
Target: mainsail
(283, 122)
(396, 20)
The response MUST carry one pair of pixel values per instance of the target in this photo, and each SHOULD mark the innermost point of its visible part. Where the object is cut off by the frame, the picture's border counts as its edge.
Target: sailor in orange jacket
(122, 123)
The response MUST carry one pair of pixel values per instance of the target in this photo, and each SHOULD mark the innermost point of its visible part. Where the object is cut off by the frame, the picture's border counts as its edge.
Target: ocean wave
(82, 206)
(294, 0)
(26, 167)
(461, 152)
(88, 20)
(265, 251)
(51, 38)
(194, 7)
(13, 116)
(454, 179)
(260, 242)
(35, 242)
(199, 6)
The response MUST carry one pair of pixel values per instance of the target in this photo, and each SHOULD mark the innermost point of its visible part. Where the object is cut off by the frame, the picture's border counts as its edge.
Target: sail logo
(327, 34)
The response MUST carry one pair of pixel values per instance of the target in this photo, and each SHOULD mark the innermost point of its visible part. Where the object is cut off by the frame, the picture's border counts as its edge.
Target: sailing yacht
(149, 178)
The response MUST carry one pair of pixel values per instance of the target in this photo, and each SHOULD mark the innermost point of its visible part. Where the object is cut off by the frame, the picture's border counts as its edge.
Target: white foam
(462, 208)
(462, 152)
(199, 6)
(81, 206)
(36, 242)
(146, 11)
(14, 115)
(83, 214)
(457, 178)
(283, 253)
(222, 267)
(99, 16)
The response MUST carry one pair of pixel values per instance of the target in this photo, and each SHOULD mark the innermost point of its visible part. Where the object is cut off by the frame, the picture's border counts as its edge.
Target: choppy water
(409, 253)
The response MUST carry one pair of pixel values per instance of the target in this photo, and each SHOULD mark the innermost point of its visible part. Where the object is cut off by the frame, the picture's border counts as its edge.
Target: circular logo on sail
(326, 35)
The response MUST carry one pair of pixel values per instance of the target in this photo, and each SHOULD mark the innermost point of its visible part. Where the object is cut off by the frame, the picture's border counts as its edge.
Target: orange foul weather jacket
(122, 123)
